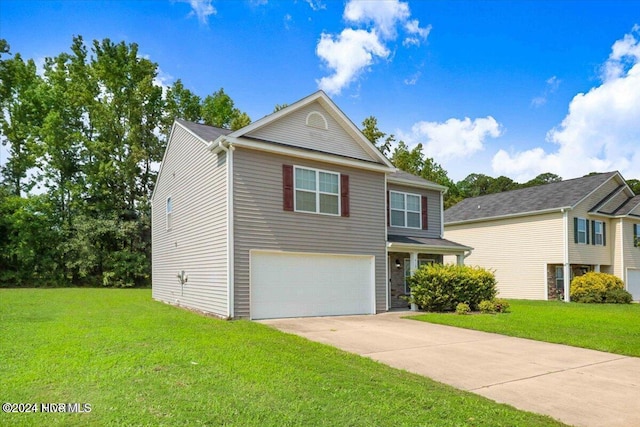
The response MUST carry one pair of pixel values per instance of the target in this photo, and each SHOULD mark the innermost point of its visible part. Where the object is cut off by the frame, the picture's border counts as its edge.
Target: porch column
(460, 259)
(596, 268)
(413, 266)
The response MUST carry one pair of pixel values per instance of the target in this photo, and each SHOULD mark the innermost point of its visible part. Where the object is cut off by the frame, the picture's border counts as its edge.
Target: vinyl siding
(292, 130)
(517, 249)
(195, 179)
(631, 253)
(434, 212)
(619, 245)
(261, 223)
(580, 253)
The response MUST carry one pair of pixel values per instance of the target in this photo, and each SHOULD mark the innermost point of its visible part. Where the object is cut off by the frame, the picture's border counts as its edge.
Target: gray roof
(406, 176)
(628, 206)
(533, 199)
(427, 241)
(206, 132)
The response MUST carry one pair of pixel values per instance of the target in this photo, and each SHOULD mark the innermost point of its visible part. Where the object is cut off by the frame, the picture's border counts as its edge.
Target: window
(636, 235)
(405, 210)
(407, 271)
(169, 210)
(317, 191)
(560, 279)
(598, 233)
(581, 231)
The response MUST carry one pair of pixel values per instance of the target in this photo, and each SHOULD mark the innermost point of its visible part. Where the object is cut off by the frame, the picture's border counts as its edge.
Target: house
(288, 217)
(537, 239)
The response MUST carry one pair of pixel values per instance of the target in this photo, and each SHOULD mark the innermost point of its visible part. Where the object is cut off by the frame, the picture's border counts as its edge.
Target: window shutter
(593, 233)
(344, 194)
(287, 187)
(604, 234)
(389, 210)
(425, 215)
(587, 230)
(575, 230)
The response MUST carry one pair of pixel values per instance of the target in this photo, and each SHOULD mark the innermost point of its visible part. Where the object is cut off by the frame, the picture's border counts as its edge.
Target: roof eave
(443, 250)
(415, 184)
(515, 215)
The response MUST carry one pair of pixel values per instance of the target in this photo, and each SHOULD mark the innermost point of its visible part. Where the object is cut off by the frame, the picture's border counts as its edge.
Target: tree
(218, 110)
(279, 107)
(180, 103)
(240, 121)
(543, 178)
(372, 133)
(475, 184)
(634, 184)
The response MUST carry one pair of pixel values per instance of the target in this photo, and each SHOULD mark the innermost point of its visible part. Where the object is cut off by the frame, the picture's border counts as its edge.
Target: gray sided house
(537, 239)
(297, 214)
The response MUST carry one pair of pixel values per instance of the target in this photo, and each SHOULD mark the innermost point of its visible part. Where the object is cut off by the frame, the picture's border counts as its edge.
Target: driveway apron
(574, 385)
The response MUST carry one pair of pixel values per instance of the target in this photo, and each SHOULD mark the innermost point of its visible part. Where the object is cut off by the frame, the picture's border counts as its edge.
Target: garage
(286, 284)
(633, 283)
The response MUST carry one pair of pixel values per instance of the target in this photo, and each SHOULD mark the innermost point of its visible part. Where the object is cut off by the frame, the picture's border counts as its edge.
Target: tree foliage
(89, 131)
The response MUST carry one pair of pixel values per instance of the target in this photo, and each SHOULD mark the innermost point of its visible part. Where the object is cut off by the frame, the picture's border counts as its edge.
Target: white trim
(386, 249)
(317, 191)
(409, 183)
(406, 210)
(622, 267)
(230, 235)
(301, 153)
(566, 266)
(420, 248)
(441, 215)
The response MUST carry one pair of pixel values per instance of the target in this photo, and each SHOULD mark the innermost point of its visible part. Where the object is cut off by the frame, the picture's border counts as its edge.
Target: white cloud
(601, 132)
(347, 55)
(202, 9)
(413, 79)
(553, 83)
(454, 138)
(379, 22)
(316, 5)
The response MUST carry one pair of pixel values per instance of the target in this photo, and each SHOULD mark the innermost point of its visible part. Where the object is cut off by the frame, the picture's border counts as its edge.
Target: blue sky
(501, 88)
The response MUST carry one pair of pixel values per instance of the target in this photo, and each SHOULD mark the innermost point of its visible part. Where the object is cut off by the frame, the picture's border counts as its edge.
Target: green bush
(487, 307)
(617, 296)
(595, 287)
(502, 305)
(438, 287)
(463, 308)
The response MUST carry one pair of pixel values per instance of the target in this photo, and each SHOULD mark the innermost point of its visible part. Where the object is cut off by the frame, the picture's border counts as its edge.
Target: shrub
(487, 307)
(618, 296)
(438, 287)
(594, 287)
(502, 305)
(463, 308)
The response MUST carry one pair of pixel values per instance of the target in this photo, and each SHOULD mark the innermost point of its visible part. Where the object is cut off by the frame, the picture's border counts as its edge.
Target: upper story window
(598, 233)
(317, 191)
(581, 231)
(169, 211)
(636, 235)
(405, 210)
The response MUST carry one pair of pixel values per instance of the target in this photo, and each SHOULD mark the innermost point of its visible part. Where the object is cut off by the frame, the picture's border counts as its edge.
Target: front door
(399, 271)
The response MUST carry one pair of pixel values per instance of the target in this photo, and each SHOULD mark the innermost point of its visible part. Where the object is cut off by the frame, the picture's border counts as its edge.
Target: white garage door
(633, 283)
(285, 284)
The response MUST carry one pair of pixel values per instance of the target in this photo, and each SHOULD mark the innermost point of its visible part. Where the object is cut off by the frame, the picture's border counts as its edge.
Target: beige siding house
(537, 239)
(297, 214)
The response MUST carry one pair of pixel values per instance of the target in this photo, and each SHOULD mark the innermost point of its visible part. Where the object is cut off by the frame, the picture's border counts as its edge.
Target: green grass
(613, 328)
(141, 362)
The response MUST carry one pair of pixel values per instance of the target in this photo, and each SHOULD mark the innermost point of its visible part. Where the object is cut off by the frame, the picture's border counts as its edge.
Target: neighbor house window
(317, 191)
(598, 233)
(581, 231)
(405, 210)
(169, 210)
(636, 235)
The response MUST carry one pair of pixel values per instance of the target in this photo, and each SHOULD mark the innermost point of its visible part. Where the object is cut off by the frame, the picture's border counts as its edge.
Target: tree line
(85, 135)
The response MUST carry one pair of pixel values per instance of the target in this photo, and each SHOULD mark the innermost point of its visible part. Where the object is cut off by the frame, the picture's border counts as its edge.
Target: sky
(513, 88)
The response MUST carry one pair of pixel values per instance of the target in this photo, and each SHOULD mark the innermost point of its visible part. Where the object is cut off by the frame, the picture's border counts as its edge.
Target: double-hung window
(317, 191)
(581, 230)
(598, 233)
(405, 210)
(169, 211)
(636, 235)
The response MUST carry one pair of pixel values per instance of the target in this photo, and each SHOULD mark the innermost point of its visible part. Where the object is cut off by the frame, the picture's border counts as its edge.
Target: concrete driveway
(577, 386)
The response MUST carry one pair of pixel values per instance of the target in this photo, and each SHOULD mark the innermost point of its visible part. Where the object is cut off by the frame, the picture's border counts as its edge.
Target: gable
(312, 127)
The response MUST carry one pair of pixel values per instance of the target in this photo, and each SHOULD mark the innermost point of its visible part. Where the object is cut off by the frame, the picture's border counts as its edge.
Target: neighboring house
(537, 239)
(288, 217)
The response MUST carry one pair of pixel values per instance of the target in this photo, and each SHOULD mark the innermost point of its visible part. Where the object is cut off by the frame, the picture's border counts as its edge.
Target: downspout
(623, 270)
(442, 215)
(386, 247)
(230, 244)
(566, 272)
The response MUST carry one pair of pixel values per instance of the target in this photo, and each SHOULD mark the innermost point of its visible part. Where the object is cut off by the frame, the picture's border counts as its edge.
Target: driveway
(577, 386)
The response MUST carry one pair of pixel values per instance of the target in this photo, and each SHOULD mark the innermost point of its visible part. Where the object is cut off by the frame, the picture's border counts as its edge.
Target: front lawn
(141, 362)
(613, 328)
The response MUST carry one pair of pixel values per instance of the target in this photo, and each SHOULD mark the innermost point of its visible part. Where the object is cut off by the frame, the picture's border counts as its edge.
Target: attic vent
(317, 120)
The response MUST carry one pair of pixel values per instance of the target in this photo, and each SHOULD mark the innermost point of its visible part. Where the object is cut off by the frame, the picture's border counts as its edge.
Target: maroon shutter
(388, 210)
(344, 194)
(287, 187)
(425, 216)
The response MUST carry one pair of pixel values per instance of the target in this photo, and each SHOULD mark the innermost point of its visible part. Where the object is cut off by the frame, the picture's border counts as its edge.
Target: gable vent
(317, 120)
